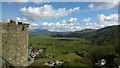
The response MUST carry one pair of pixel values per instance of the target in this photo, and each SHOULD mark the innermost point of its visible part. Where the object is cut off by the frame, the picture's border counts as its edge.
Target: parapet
(12, 23)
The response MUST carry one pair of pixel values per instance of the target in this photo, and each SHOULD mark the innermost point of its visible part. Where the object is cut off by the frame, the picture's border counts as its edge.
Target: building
(15, 43)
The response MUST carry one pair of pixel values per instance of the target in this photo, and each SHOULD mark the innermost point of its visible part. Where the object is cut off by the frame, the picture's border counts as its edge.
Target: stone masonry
(15, 43)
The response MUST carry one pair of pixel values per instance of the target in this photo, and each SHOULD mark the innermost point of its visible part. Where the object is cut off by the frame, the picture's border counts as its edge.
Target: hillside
(108, 35)
(104, 36)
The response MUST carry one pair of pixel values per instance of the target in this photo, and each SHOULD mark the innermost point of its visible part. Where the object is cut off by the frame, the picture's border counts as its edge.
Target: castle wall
(0, 34)
(15, 44)
(0, 45)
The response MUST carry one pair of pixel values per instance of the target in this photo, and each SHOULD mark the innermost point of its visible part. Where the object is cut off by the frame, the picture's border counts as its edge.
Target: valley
(80, 49)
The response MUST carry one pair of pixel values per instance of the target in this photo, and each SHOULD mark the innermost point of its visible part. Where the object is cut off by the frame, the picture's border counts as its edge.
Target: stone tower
(15, 43)
(0, 45)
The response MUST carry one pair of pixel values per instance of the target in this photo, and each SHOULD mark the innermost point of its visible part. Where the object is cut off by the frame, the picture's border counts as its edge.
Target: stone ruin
(14, 43)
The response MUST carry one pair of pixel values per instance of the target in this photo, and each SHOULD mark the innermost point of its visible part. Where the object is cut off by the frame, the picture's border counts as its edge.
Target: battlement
(13, 23)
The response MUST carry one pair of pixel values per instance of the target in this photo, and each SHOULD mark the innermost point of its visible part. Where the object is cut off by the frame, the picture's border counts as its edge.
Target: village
(33, 55)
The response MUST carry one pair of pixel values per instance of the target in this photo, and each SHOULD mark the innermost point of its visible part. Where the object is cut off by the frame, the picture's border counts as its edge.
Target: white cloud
(21, 19)
(102, 5)
(105, 20)
(58, 26)
(72, 20)
(24, 19)
(91, 6)
(34, 25)
(18, 18)
(46, 11)
(86, 20)
(102, 21)
(88, 23)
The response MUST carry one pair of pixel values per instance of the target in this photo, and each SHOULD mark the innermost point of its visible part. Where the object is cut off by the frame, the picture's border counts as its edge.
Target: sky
(62, 16)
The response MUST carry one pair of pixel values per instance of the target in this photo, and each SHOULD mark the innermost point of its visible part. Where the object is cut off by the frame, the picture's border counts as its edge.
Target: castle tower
(0, 44)
(15, 43)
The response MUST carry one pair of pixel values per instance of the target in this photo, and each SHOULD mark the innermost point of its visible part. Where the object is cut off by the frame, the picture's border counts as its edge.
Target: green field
(61, 48)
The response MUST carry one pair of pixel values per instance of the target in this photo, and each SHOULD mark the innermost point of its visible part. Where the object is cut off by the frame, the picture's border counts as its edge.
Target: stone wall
(0, 45)
(15, 43)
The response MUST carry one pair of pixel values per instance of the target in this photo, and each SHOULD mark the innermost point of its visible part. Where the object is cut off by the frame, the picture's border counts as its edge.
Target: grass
(66, 57)
(60, 57)
(61, 48)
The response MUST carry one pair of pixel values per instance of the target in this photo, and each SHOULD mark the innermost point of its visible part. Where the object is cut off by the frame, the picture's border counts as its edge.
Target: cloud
(102, 21)
(86, 20)
(34, 25)
(58, 26)
(72, 20)
(18, 18)
(46, 11)
(102, 5)
(109, 20)
(21, 19)
(91, 6)
(72, 24)
(88, 23)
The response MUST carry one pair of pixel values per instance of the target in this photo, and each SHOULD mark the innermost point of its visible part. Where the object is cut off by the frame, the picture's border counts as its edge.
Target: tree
(103, 52)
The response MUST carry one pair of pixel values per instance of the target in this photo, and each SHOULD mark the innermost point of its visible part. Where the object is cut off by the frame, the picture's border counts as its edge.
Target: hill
(104, 36)
(85, 30)
(108, 35)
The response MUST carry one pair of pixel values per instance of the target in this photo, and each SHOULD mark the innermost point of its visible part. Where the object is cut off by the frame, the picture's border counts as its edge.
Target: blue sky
(72, 16)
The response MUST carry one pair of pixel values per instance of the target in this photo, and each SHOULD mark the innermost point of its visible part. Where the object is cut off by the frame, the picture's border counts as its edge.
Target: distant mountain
(45, 32)
(39, 32)
(85, 30)
(74, 34)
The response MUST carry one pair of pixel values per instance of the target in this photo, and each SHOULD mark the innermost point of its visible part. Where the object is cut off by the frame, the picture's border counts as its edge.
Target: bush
(103, 52)
(117, 61)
